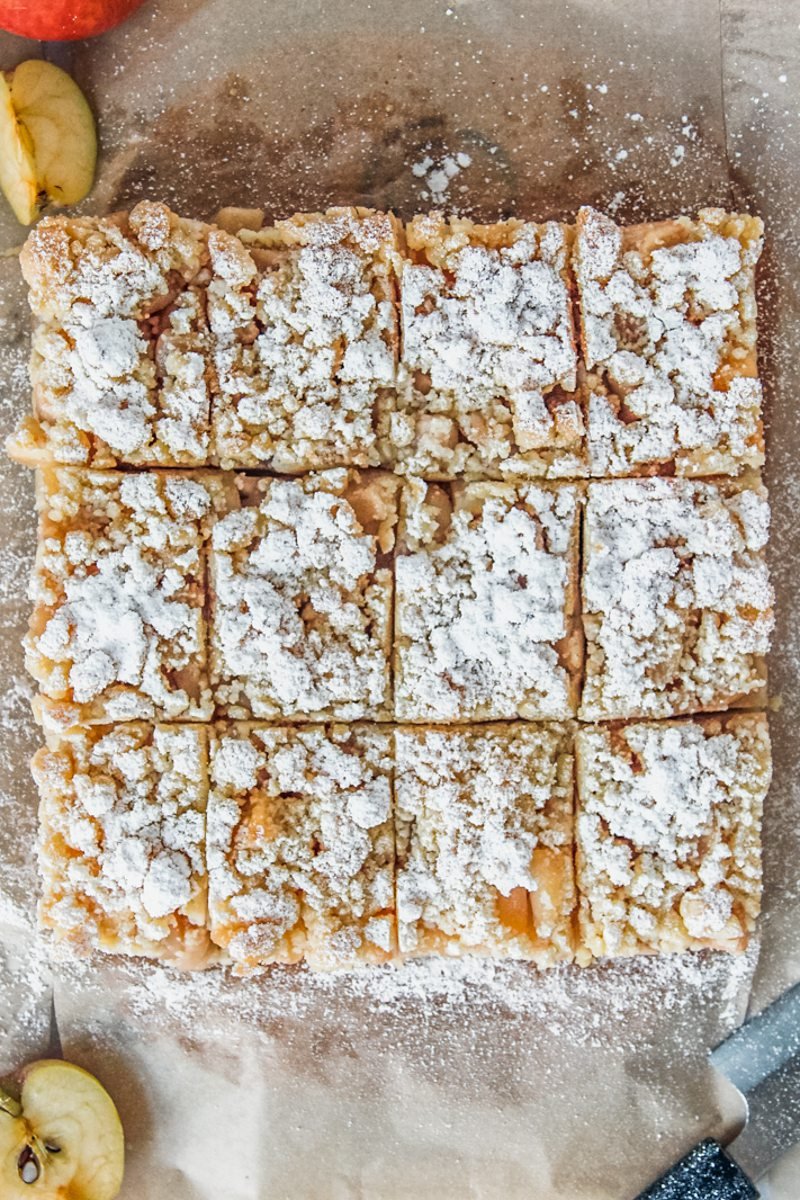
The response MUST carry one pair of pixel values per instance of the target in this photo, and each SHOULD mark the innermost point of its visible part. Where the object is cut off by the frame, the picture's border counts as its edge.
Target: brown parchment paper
(440, 1079)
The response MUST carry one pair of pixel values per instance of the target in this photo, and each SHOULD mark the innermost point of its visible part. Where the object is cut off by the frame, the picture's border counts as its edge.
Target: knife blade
(762, 1061)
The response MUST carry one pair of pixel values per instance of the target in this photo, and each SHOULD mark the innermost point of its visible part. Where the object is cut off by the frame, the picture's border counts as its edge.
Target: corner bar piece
(668, 330)
(668, 834)
(120, 365)
(122, 841)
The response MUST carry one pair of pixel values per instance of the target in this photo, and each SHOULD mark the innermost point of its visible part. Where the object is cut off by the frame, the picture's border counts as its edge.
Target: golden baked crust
(668, 834)
(301, 845)
(484, 821)
(122, 841)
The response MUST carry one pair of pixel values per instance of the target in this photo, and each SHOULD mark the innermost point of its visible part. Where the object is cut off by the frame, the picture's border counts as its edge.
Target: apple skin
(63, 20)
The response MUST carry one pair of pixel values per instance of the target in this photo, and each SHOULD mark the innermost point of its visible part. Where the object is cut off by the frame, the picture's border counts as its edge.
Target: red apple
(63, 20)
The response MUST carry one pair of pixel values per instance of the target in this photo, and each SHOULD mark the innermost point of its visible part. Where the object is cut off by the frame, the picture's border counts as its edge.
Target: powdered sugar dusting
(633, 992)
(118, 631)
(475, 808)
(440, 176)
(305, 334)
(487, 336)
(119, 351)
(300, 845)
(128, 804)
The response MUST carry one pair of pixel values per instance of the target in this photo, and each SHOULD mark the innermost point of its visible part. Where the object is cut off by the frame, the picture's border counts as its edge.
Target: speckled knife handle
(706, 1173)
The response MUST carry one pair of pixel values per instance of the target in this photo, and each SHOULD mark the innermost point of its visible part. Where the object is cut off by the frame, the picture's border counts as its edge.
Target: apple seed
(28, 1166)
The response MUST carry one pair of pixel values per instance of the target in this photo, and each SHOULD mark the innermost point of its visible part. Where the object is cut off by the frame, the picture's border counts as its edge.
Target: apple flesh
(63, 20)
(48, 143)
(62, 1140)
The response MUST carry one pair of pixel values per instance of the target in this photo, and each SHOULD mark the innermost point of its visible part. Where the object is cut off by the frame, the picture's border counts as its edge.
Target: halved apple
(48, 141)
(62, 1140)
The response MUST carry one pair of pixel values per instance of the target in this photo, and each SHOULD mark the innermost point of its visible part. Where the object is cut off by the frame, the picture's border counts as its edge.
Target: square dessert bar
(484, 838)
(677, 603)
(122, 837)
(301, 845)
(304, 325)
(668, 834)
(668, 317)
(118, 628)
(120, 363)
(488, 356)
(301, 597)
(486, 621)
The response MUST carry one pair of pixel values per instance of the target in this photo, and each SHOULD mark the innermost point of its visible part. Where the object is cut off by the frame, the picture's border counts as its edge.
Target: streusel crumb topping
(484, 840)
(486, 595)
(305, 339)
(301, 602)
(120, 352)
(118, 629)
(488, 352)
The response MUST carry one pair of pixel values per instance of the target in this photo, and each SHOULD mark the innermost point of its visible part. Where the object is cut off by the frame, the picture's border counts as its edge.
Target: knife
(762, 1061)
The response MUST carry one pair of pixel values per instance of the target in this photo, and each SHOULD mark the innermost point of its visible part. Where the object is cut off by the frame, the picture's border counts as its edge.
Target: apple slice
(62, 1140)
(48, 142)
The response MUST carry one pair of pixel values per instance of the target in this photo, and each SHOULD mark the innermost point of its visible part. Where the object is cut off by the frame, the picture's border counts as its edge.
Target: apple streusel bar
(668, 328)
(120, 358)
(118, 628)
(304, 326)
(484, 825)
(122, 840)
(677, 603)
(486, 619)
(668, 834)
(301, 845)
(301, 587)
(488, 363)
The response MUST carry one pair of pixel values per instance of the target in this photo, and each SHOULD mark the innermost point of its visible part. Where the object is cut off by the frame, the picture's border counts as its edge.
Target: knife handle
(706, 1173)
